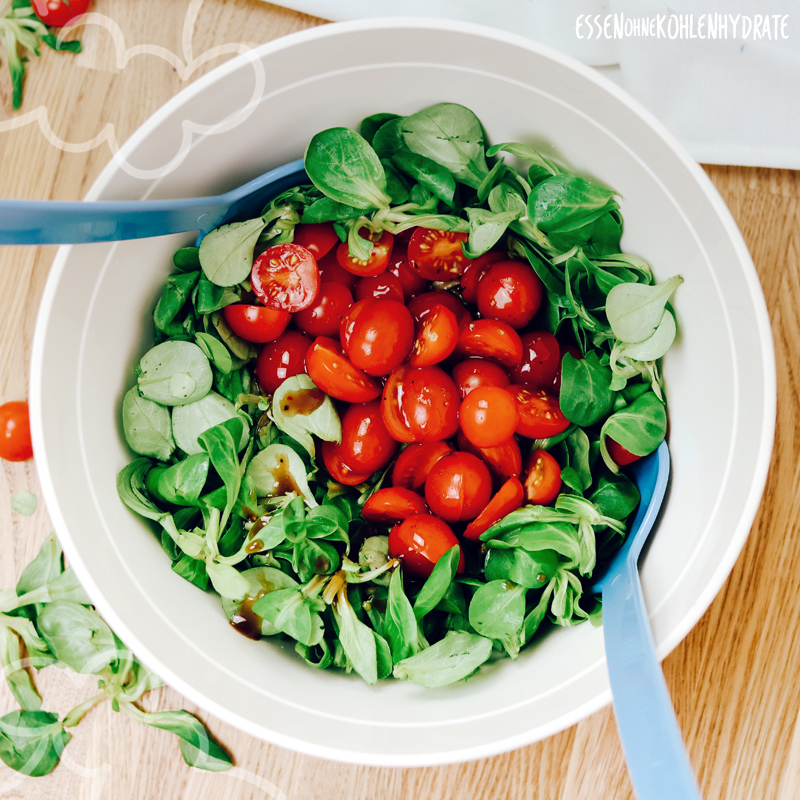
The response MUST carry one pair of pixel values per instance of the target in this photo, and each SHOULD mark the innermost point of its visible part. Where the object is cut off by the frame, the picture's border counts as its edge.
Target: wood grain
(734, 679)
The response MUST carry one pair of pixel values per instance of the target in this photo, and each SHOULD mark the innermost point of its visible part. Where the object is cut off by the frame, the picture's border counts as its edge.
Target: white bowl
(95, 321)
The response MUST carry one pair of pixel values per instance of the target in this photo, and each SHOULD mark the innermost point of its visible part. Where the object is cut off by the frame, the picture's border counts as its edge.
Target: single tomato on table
(285, 277)
(281, 359)
(15, 432)
(60, 13)
(437, 255)
(378, 259)
(377, 335)
(324, 316)
(334, 373)
(257, 324)
(420, 541)
(458, 487)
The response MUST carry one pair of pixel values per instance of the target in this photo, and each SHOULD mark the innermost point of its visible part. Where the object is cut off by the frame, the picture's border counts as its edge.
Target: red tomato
(378, 259)
(415, 462)
(458, 487)
(619, 454)
(475, 372)
(256, 324)
(437, 336)
(504, 460)
(285, 277)
(508, 499)
(331, 271)
(474, 271)
(437, 255)
(384, 286)
(423, 304)
(393, 504)
(366, 445)
(317, 237)
(420, 404)
(488, 338)
(575, 353)
(511, 292)
(335, 374)
(542, 478)
(420, 541)
(60, 13)
(412, 282)
(324, 316)
(341, 472)
(539, 414)
(282, 359)
(15, 432)
(541, 360)
(377, 335)
(488, 416)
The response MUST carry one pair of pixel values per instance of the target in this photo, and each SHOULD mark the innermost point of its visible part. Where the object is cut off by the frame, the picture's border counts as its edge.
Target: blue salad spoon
(651, 739)
(42, 222)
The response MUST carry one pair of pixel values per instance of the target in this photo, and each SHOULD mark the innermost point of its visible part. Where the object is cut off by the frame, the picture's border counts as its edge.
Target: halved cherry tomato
(317, 237)
(437, 336)
(378, 259)
(475, 372)
(423, 304)
(257, 324)
(458, 487)
(324, 316)
(331, 271)
(15, 432)
(335, 374)
(412, 282)
(488, 416)
(504, 460)
(393, 504)
(541, 360)
(437, 255)
(420, 404)
(539, 413)
(415, 462)
(508, 499)
(542, 478)
(341, 472)
(619, 454)
(475, 270)
(575, 353)
(488, 338)
(60, 13)
(420, 541)
(511, 292)
(366, 445)
(282, 359)
(285, 277)
(377, 335)
(384, 286)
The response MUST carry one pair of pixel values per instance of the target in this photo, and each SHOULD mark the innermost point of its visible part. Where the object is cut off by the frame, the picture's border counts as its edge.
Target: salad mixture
(386, 418)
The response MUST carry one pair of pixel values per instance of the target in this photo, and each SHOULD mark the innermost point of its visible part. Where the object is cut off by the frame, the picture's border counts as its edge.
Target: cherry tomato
(282, 359)
(508, 499)
(285, 277)
(420, 404)
(256, 324)
(423, 304)
(619, 454)
(539, 414)
(437, 336)
(341, 472)
(384, 286)
(542, 478)
(331, 271)
(415, 462)
(420, 541)
(511, 292)
(474, 271)
(458, 487)
(575, 353)
(366, 445)
(488, 338)
(437, 255)
(377, 335)
(59, 13)
(378, 259)
(324, 316)
(504, 460)
(15, 432)
(412, 282)
(317, 237)
(541, 360)
(335, 374)
(488, 416)
(475, 372)
(393, 504)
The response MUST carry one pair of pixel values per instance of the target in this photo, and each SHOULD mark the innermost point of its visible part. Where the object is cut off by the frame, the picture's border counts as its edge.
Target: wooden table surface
(734, 679)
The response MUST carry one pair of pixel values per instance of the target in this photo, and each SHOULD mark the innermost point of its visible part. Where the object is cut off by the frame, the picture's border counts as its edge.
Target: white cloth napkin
(730, 101)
